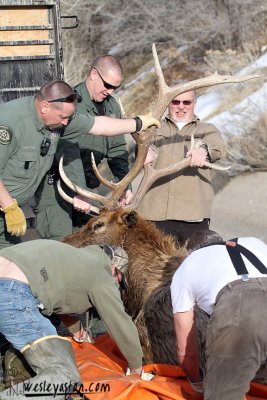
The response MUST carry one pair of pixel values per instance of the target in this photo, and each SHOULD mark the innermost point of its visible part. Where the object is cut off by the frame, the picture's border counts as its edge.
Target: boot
(16, 368)
(52, 359)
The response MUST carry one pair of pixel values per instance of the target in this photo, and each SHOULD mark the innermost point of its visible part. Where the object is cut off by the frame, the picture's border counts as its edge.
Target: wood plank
(7, 36)
(23, 16)
(13, 51)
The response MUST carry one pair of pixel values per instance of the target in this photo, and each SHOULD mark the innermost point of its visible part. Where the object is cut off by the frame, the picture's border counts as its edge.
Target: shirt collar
(89, 103)
(37, 121)
(194, 119)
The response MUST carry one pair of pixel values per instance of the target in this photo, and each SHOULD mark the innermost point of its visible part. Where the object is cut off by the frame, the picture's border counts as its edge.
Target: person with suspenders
(228, 281)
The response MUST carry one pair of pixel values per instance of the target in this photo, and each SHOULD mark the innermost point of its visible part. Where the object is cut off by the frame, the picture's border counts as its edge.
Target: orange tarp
(102, 367)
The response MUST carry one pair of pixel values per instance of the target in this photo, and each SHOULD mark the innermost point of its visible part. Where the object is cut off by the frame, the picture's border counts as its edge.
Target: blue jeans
(21, 321)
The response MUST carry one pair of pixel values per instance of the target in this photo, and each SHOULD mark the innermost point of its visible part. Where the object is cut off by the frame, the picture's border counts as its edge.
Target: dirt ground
(240, 208)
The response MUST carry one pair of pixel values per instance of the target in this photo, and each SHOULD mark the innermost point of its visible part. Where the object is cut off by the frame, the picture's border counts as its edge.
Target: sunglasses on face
(184, 102)
(71, 98)
(106, 84)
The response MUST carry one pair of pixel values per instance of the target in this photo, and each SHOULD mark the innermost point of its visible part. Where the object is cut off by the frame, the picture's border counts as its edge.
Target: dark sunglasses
(184, 102)
(106, 84)
(71, 98)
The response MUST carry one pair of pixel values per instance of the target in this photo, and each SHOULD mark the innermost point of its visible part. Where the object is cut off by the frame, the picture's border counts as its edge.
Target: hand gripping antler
(165, 95)
(151, 175)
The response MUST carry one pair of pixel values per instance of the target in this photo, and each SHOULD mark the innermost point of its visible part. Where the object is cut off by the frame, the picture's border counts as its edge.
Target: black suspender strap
(235, 250)
(235, 255)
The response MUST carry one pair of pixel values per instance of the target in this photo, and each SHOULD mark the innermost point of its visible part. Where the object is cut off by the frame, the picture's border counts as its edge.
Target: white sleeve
(182, 297)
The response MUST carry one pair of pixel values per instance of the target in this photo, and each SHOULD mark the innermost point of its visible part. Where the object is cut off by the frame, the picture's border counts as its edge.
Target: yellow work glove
(147, 121)
(15, 219)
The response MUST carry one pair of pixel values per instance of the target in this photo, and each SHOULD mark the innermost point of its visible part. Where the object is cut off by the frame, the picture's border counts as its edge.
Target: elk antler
(93, 209)
(165, 95)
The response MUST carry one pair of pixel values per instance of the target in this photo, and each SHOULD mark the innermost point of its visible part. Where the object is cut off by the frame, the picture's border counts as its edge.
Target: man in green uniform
(55, 219)
(30, 129)
(42, 277)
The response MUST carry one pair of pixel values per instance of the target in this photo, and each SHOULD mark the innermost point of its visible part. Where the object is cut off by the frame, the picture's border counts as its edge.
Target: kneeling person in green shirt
(41, 277)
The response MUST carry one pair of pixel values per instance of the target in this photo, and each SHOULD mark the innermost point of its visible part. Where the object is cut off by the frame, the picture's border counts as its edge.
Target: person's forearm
(113, 126)
(5, 197)
(187, 344)
(190, 365)
(187, 353)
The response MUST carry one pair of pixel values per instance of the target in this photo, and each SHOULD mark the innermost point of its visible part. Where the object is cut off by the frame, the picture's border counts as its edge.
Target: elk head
(110, 226)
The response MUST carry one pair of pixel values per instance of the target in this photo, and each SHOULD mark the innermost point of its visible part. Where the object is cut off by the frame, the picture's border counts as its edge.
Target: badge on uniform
(5, 135)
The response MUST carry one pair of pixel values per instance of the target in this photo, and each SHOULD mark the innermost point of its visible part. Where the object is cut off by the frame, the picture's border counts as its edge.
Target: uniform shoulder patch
(5, 134)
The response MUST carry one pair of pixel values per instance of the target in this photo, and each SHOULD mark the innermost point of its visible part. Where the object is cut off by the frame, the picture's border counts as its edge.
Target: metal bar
(26, 28)
(21, 58)
(26, 42)
(17, 89)
(73, 17)
(23, 3)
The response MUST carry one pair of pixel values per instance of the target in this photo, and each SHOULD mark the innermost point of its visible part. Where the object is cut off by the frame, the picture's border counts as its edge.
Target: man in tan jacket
(180, 204)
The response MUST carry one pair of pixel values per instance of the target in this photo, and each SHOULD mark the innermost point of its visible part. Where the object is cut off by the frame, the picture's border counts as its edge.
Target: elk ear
(130, 218)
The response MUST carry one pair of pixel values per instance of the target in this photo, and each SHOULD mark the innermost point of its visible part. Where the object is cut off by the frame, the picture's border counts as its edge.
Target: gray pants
(236, 343)
(6, 239)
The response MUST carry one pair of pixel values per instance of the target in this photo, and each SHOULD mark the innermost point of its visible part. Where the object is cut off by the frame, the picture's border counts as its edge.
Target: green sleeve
(7, 144)
(73, 166)
(106, 299)
(79, 125)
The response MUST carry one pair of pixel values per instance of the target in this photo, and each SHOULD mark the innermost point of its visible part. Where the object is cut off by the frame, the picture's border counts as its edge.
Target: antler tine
(212, 80)
(77, 189)
(69, 199)
(123, 113)
(151, 175)
(167, 93)
(163, 88)
(110, 185)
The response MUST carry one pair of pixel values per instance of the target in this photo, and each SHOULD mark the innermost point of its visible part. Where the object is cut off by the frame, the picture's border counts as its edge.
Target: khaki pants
(236, 343)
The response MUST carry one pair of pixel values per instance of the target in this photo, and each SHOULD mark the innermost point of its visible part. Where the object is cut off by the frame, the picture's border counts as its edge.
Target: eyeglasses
(106, 84)
(184, 102)
(71, 98)
(72, 117)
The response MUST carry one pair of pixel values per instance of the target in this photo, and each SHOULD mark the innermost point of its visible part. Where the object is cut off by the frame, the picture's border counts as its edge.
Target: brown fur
(153, 259)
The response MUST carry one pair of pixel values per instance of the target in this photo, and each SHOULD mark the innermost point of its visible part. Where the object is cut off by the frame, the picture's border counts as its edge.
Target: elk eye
(99, 225)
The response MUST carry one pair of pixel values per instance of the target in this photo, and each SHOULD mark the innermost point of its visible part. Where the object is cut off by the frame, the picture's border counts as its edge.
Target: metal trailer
(30, 46)
(30, 53)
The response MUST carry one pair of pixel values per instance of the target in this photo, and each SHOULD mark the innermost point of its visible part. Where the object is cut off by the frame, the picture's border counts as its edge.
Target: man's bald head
(106, 63)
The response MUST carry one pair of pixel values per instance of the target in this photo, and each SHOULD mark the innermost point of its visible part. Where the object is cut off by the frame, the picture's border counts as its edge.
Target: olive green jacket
(21, 134)
(186, 195)
(69, 280)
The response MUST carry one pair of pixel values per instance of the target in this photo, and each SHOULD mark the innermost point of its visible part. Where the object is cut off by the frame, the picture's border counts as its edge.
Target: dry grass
(249, 152)
(128, 28)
